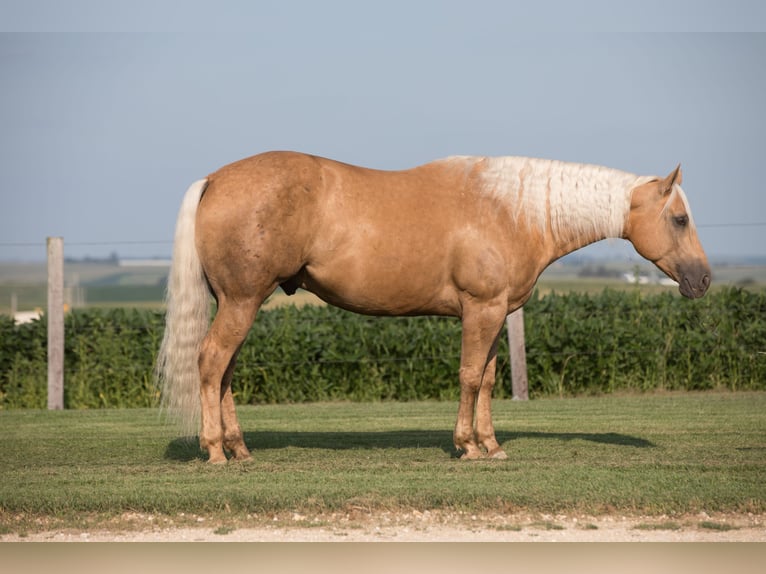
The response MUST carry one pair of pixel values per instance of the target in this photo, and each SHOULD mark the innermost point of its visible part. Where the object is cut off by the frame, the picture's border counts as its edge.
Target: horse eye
(681, 220)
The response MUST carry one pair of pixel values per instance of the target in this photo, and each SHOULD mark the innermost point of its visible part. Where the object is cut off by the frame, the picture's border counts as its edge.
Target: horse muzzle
(694, 279)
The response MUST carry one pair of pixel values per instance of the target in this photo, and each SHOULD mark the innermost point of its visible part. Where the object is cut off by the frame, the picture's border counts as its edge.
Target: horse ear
(674, 178)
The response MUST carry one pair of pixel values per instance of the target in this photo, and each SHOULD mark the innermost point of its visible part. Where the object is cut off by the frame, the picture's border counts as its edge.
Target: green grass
(650, 455)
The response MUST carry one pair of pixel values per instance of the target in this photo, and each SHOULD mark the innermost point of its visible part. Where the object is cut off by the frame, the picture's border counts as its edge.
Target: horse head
(661, 228)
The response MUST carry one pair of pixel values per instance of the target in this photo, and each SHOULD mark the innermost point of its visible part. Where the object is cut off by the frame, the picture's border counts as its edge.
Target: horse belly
(382, 285)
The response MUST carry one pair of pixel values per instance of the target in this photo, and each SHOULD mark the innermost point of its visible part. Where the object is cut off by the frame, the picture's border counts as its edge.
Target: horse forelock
(678, 192)
(579, 200)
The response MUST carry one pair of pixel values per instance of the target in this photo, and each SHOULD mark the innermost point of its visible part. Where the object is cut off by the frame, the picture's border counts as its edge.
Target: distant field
(85, 284)
(111, 285)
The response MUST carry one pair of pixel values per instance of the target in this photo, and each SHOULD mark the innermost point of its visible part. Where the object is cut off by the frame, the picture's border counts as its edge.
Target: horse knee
(470, 378)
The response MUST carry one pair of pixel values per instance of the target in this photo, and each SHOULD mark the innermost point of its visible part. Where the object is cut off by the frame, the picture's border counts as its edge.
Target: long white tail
(187, 319)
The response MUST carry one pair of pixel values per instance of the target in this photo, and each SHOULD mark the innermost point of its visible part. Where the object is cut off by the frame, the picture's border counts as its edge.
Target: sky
(109, 110)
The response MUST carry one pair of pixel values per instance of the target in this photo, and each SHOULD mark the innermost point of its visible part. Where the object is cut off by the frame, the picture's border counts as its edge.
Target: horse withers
(463, 236)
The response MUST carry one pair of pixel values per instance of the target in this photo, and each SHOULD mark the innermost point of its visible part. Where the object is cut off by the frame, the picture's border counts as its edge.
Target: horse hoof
(471, 454)
(219, 459)
(497, 454)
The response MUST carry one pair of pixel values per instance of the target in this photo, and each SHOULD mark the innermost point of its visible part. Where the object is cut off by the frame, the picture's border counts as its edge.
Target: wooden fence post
(55, 323)
(517, 349)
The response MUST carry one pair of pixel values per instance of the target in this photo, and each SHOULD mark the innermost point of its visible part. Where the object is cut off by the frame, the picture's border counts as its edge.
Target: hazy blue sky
(103, 129)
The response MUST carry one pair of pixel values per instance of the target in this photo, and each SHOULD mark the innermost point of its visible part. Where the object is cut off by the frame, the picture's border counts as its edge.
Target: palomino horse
(463, 236)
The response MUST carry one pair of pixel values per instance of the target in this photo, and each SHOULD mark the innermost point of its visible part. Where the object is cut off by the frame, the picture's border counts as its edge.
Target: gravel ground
(416, 527)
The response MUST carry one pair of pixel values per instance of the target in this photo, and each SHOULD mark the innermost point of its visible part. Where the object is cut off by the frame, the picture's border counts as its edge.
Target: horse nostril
(706, 281)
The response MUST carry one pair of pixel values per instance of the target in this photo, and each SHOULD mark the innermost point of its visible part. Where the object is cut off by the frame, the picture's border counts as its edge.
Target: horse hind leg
(216, 364)
(233, 439)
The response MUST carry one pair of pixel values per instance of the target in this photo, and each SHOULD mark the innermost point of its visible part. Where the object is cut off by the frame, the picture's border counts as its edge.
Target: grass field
(649, 455)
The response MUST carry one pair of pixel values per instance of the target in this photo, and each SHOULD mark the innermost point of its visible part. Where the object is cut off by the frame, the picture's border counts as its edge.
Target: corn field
(577, 344)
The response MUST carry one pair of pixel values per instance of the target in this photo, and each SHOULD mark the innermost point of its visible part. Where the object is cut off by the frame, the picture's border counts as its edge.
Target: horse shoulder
(478, 266)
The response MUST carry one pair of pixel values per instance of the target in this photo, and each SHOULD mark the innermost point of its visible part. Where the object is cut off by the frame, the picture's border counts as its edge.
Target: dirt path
(417, 527)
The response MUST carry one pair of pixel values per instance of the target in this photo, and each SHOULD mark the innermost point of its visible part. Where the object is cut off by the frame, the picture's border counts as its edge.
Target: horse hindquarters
(195, 364)
(246, 249)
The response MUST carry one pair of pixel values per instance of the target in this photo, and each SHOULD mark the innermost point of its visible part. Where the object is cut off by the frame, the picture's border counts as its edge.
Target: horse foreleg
(481, 328)
(485, 429)
(464, 438)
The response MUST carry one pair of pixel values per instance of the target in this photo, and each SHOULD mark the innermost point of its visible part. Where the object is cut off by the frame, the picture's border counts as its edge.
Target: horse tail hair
(187, 320)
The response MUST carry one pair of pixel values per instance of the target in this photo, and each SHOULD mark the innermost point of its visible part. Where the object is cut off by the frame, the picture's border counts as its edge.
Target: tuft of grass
(508, 527)
(658, 526)
(546, 525)
(719, 526)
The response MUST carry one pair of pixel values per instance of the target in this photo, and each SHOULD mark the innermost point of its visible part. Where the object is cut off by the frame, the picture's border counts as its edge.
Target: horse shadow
(187, 448)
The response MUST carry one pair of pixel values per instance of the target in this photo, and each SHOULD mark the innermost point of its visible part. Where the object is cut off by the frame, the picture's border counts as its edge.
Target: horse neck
(571, 205)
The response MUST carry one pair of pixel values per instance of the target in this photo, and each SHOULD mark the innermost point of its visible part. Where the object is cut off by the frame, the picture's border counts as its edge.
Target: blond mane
(579, 200)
